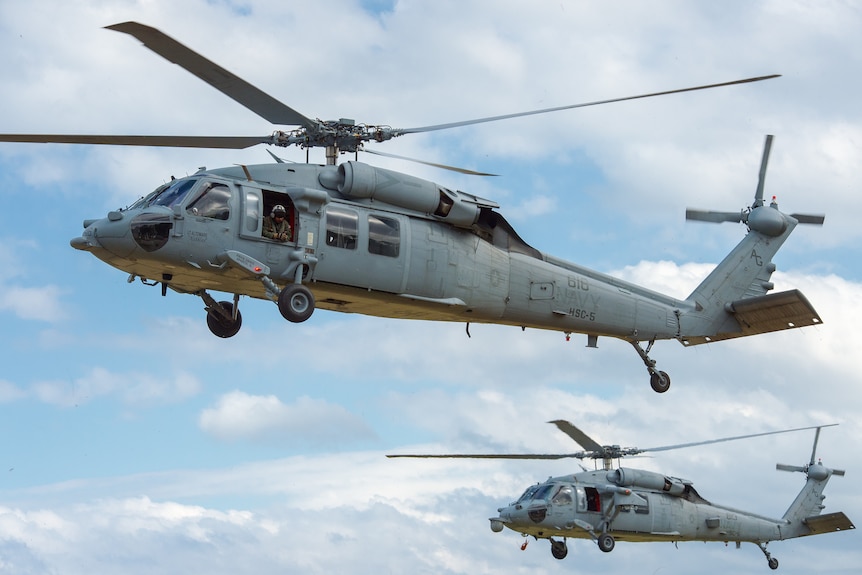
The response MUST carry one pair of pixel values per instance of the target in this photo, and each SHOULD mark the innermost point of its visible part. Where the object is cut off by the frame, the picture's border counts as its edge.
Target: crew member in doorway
(275, 225)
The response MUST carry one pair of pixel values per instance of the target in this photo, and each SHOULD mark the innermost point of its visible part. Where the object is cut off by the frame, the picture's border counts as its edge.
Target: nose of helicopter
(111, 234)
(510, 516)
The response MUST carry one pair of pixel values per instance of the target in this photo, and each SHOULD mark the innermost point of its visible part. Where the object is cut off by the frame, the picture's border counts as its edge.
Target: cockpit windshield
(542, 491)
(528, 494)
(536, 492)
(166, 194)
(174, 193)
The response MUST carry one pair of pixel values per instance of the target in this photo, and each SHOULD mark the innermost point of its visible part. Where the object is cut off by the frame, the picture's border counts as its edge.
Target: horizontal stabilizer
(764, 314)
(829, 523)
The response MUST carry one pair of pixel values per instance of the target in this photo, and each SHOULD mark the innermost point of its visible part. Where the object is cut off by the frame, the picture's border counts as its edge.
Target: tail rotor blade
(761, 181)
(816, 219)
(784, 467)
(814, 447)
(714, 217)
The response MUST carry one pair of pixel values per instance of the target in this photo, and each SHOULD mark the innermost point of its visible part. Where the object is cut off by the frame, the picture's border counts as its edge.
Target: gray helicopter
(361, 239)
(625, 504)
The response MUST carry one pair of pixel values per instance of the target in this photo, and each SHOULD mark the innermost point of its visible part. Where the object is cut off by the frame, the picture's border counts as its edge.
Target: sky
(134, 441)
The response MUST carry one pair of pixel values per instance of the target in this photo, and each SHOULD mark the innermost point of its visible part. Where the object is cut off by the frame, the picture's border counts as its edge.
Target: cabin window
(213, 202)
(384, 237)
(341, 228)
(582, 499)
(252, 210)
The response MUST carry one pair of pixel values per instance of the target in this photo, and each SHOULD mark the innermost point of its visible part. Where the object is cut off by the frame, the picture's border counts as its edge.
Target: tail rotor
(771, 223)
(813, 469)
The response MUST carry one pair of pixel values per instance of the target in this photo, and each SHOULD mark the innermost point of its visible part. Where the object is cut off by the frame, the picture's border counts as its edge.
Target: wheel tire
(559, 549)
(223, 327)
(606, 543)
(296, 303)
(659, 381)
(773, 563)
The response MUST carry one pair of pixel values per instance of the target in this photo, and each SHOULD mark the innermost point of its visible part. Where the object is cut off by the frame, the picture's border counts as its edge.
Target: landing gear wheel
(659, 381)
(559, 549)
(773, 563)
(224, 327)
(296, 303)
(606, 543)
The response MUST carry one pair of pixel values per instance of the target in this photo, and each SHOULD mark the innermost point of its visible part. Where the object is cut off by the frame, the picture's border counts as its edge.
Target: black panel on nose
(537, 515)
(151, 231)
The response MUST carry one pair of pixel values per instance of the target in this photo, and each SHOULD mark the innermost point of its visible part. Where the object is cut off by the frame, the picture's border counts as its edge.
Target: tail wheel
(296, 303)
(223, 325)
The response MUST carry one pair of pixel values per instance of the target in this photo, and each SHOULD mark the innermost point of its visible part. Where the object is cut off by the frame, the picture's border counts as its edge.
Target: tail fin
(803, 516)
(732, 301)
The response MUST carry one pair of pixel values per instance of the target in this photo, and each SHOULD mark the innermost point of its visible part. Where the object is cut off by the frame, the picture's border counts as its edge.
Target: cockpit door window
(213, 202)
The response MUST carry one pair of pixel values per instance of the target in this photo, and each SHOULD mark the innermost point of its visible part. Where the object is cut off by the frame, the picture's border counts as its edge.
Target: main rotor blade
(584, 105)
(492, 456)
(222, 80)
(734, 438)
(227, 142)
(594, 447)
(444, 166)
(579, 436)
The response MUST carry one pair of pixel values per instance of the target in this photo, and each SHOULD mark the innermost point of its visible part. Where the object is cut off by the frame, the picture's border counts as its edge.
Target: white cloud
(133, 388)
(10, 392)
(240, 416)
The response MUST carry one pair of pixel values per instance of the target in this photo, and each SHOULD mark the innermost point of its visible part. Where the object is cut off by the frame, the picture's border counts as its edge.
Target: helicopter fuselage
(367, 256)
(584, 505)
(382, 243)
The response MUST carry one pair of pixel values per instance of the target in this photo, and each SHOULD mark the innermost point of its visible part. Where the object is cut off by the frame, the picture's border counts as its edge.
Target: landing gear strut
(770, 560)
(658, 380)
(559, 549)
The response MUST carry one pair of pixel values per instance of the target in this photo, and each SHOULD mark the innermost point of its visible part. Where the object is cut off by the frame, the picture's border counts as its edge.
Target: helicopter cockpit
(212, 200)
(152, 230)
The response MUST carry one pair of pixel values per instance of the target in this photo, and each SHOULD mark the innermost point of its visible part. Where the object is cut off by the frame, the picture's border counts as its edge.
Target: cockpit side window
(563, 496)
(213, 202)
